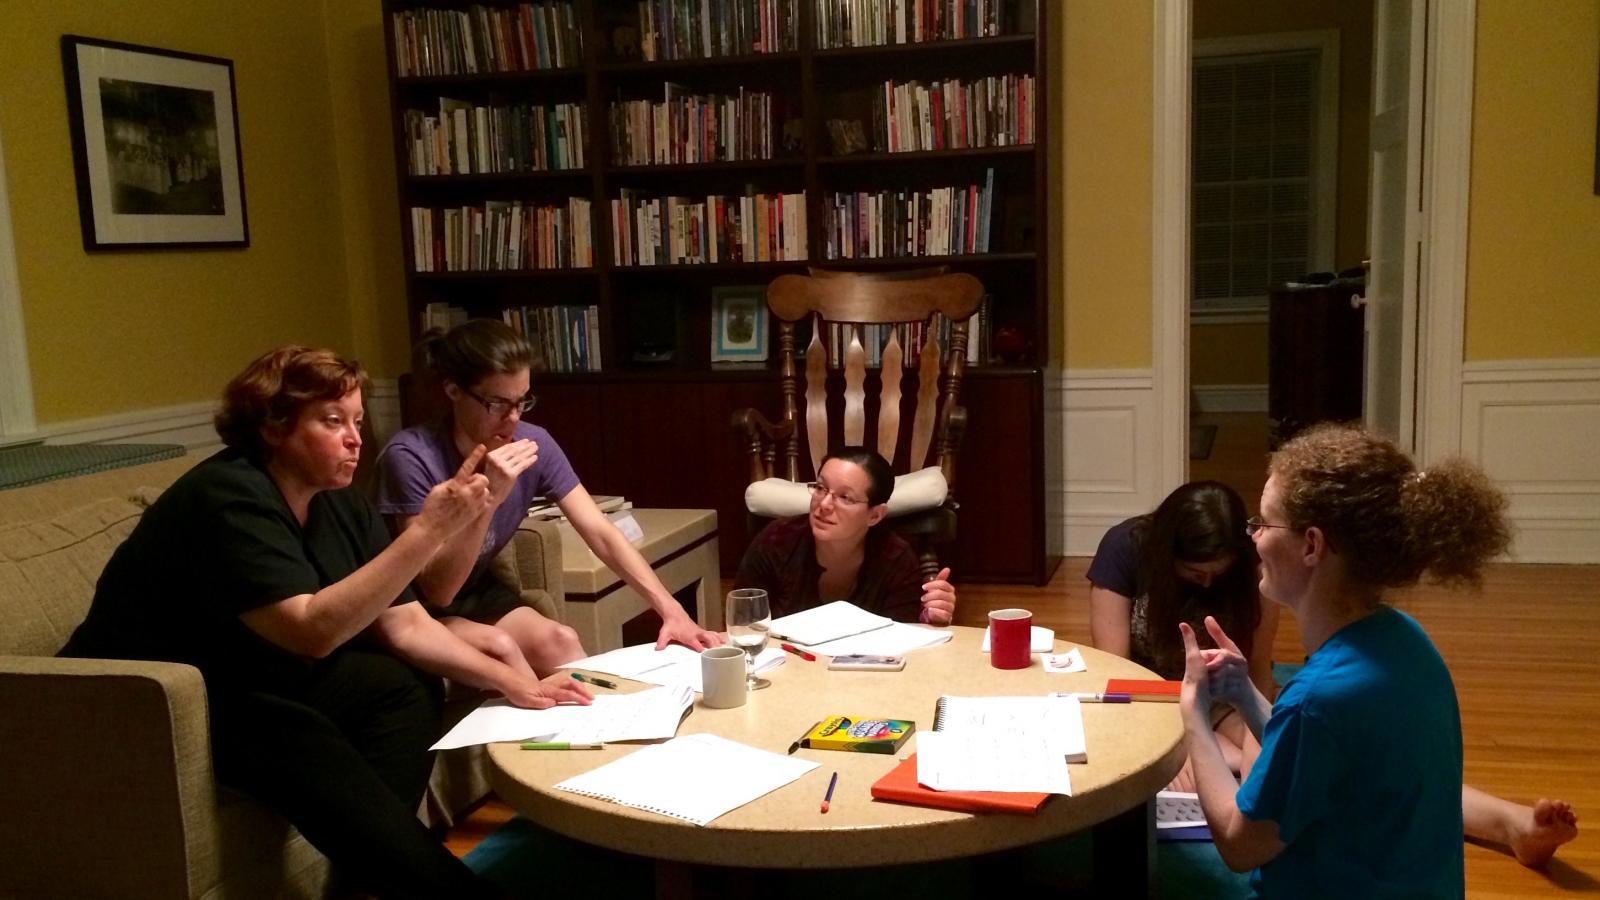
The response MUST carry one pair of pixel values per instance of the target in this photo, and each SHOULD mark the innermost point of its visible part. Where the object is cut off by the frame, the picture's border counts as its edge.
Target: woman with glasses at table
(838, 552)
(482, 367)
(1187, 560)
(1357, 790)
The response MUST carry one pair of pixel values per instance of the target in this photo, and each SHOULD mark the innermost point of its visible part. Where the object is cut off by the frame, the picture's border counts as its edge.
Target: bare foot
(1551, 824)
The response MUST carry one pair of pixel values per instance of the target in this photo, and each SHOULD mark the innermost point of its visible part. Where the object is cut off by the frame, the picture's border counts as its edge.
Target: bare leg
(1532, 833)
(1239, 750)
(546, 644)
(490, 640)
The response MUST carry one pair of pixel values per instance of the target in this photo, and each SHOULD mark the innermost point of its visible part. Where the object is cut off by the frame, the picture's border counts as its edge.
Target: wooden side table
(679, 544)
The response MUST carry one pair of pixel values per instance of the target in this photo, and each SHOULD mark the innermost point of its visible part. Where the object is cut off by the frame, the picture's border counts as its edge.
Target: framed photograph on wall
(739, 324)
(155, 144)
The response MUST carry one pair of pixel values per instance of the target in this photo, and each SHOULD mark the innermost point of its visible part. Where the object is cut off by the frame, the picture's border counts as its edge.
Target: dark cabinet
(1315, 358)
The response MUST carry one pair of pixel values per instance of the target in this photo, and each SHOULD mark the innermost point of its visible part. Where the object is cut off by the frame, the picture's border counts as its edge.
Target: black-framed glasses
(819, 493)
(1254, 524)
(499, 407)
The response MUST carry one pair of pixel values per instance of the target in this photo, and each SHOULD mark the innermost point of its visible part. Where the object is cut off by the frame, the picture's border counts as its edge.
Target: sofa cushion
(48, 570)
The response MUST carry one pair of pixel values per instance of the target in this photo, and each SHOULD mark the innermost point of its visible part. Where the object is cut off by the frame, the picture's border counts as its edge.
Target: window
(1262, 164)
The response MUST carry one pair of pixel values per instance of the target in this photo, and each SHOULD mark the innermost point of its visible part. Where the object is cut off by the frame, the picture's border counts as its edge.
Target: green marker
(560, 745)
(590, 679)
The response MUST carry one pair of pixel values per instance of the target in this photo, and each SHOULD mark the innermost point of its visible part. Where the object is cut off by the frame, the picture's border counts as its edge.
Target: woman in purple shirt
(482, 367)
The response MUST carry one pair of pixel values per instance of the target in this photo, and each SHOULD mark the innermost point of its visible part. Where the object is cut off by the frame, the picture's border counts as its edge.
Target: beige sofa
(106, 783)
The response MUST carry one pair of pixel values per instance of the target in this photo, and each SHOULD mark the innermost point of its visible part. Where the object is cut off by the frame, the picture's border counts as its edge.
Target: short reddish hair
(272, 390)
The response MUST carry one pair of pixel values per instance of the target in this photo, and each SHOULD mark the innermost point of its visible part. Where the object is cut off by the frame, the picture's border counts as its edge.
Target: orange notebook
(900, 786)
(1145, 688)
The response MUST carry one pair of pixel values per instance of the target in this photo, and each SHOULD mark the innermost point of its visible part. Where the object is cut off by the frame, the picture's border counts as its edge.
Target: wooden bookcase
(658, 432)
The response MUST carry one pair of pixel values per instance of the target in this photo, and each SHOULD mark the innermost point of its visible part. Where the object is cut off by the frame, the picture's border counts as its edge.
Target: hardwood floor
(1526, 674)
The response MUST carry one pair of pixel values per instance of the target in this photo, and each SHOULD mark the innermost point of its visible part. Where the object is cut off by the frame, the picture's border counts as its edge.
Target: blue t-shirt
(420, 457)
(1360, 768)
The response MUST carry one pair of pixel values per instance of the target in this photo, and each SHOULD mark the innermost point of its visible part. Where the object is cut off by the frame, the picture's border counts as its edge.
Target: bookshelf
(528, 229)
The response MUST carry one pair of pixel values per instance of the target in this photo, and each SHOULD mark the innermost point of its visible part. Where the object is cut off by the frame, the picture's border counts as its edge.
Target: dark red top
(783, 560)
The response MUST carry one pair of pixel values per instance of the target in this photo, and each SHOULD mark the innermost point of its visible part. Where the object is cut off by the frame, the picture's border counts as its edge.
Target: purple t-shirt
(420, 457)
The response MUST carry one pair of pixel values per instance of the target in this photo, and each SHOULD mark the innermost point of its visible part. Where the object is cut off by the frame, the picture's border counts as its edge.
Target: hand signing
(939, 600)
(460, 499)
(504, 464)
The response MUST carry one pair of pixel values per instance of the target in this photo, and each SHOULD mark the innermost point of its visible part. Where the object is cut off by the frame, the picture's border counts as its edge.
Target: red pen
(798, 652)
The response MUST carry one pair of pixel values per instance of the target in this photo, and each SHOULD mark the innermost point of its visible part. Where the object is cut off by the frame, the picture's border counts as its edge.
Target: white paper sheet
(894, 639)
(827, 622)
(697, 777)
(990, 761)
(676, 664)
(1040, 640)
(1056, 720)
(646, 715)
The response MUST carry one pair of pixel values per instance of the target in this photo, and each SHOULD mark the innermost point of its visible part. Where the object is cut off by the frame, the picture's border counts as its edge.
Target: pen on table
(560, 745)
(799, 741)
(812, 657)
(590, 679)
(828, 797)
(1095, 698)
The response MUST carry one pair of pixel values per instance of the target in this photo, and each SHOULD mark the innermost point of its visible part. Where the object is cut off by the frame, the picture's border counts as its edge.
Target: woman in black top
(264, 570)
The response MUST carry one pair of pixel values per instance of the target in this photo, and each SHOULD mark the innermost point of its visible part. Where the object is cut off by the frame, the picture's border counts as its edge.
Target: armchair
(913, 405)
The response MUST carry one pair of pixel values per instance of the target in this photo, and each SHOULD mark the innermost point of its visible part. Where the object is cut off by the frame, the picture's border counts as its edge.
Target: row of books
(502, 235)
(996, 111)
(654, 231)
(563, 338)
(691, 128)
(870, 23)
(909, 335)
(465, 139)
(483, 39)
(442, 316)
(691, 29)
(945, 221)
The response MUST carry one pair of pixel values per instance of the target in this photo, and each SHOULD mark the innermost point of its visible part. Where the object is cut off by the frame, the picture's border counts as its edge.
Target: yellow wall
(114, 332)
(1104, 230)
(1237, 354)
(1533, 258)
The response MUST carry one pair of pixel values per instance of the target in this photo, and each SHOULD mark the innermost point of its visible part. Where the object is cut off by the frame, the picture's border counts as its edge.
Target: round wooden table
(1134, 749)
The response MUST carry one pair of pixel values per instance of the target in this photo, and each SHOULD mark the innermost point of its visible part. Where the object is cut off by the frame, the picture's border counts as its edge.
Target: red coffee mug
(1010, 633)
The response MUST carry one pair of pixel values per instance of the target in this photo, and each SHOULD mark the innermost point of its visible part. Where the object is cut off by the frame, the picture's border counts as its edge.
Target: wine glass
(749, 618)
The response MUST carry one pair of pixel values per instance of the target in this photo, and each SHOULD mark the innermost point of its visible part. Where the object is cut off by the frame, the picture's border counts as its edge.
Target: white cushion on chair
(913, 492)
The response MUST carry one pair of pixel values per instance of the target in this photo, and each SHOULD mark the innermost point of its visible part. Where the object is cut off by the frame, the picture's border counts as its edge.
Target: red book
(900, 786)
(1145, 688)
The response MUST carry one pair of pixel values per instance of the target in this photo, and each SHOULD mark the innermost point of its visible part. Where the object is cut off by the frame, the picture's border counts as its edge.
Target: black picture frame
(155, 147)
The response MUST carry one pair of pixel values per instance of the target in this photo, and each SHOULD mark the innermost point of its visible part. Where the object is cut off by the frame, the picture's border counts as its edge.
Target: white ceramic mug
(722, 676)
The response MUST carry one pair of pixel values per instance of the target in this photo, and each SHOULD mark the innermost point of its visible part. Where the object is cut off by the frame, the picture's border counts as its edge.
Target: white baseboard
(1533, 426)
(1225, 398)
(189, 424)
(1109, 437)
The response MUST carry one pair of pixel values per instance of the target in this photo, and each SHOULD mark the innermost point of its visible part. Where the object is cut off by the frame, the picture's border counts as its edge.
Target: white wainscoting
(1110, 440)
(1534, 426)
(189, 424)
(1227, 398)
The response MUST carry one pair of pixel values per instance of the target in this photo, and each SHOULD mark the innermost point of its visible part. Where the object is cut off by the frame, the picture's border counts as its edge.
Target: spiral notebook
(696, 777)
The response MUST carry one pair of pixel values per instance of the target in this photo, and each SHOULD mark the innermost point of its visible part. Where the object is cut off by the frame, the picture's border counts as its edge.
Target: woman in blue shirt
(1355, 793)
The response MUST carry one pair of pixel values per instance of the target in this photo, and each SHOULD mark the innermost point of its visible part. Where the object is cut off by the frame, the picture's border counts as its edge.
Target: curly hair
(272, 390)
(1392, 522)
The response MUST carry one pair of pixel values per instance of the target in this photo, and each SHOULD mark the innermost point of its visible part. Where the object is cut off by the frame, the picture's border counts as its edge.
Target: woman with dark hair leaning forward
(840, 551)
(1357, 789)
(483, 369)
(262, 568)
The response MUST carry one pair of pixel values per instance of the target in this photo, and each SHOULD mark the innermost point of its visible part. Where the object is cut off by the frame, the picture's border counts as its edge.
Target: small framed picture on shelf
(739, 324)
(155, 145)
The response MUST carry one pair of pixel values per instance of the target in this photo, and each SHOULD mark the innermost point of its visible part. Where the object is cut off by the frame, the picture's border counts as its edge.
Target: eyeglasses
(1254, 524)
(820, 493)
(500, 407)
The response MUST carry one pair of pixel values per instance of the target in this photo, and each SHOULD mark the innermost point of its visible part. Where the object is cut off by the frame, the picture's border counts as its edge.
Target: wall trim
(1111, 467)
(1169, 246)
(1494, 370)
(17, 422)
(188, 424)
(1447, 177)
(1224, 398)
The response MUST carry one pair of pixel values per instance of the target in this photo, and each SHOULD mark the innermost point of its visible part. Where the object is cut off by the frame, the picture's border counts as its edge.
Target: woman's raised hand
(1228, 669)
(939, 599)
(506, 463)
(458, 500)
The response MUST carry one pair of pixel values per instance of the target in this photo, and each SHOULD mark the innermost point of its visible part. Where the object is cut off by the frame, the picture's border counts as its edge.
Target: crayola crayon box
(861, 733)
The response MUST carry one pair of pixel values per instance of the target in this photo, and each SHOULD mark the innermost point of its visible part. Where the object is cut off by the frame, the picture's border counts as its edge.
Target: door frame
(16, 384)
(1442, 281)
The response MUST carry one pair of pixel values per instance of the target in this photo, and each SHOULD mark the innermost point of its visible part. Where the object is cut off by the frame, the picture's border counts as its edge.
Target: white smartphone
(863, 663)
